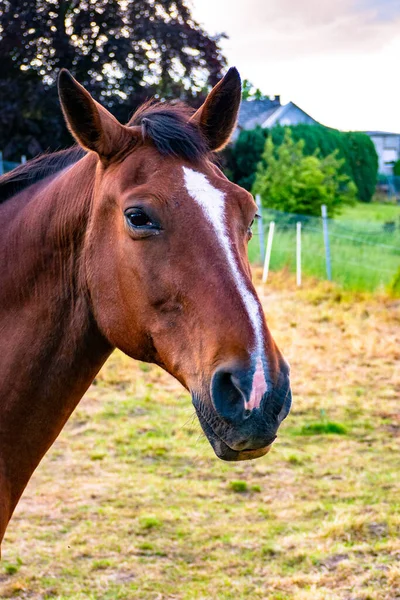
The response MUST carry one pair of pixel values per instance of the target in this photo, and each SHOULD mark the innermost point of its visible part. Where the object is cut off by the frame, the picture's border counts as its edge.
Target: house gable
(268, 113)
(289, 114)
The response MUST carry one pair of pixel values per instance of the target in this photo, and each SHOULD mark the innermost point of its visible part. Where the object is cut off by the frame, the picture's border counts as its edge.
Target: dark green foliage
(357, 149)
(361, 158)
(30, 115)
(113, 48)
(242, 158)
(396, 168)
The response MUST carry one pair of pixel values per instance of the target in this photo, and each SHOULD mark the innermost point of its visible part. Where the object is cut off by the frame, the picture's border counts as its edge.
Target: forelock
(169, 128)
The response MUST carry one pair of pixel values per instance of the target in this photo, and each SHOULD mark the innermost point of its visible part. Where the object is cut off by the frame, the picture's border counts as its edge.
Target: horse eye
(250, 230)
(138, 218)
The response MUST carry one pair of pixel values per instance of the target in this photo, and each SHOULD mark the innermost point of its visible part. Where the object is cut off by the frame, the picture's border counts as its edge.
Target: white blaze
(212, 201)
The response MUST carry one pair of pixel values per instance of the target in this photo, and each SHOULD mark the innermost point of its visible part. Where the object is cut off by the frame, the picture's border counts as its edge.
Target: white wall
(388, 150)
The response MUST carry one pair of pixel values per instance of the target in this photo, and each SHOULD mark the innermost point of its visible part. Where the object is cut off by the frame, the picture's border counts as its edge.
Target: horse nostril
(229, 392)
(281, 399)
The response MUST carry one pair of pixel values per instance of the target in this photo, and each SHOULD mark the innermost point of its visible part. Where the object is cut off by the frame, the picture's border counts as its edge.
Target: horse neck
(53, 345)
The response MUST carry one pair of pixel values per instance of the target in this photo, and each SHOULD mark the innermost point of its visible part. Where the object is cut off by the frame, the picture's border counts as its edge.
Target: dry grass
(131, 502)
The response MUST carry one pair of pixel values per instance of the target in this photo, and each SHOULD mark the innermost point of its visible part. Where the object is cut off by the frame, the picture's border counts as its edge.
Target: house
(387, 147)
(269, 112)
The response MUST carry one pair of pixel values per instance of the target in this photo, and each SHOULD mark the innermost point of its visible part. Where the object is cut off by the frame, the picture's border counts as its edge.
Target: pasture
(131, 503)
(364, 244)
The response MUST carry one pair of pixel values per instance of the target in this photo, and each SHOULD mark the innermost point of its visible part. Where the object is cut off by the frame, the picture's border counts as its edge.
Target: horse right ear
(91, 125)
(218, 115)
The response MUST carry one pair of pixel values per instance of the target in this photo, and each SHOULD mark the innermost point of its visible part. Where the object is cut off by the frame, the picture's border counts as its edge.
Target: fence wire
(364, 255)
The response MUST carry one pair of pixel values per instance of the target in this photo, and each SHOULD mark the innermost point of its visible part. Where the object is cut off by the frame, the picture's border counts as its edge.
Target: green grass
(373, 211)
(323, 428)
(239, 486)
(365, 256)
(131, 503)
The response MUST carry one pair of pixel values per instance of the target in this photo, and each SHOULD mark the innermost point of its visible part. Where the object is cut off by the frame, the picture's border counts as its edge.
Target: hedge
(357, 150)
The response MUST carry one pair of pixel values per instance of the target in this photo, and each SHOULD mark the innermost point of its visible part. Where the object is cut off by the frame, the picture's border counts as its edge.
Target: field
(374, 211)
(131, 503)
(364, 242)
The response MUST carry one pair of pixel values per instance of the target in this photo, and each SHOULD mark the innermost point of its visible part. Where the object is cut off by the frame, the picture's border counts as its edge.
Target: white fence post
(298, 253)
(23, 159)
(268, 252)
(260, 227)
(324, 213)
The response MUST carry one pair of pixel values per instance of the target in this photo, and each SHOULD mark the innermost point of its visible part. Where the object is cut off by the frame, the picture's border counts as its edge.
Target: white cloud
(338, 60)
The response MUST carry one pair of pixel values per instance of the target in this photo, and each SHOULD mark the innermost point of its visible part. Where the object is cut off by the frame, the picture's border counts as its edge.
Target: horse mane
(36, 170)
(166, 125)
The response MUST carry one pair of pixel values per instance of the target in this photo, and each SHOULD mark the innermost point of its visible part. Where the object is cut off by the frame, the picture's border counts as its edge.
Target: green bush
(242, 158)
(289, 181)
(360, 161)
(361, 157)
(396, 168)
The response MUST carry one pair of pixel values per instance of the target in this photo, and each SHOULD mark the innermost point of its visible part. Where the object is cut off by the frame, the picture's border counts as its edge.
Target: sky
(339, 60)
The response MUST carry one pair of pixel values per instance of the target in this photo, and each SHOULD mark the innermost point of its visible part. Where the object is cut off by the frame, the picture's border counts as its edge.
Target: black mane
(37, 169)
(166, 125)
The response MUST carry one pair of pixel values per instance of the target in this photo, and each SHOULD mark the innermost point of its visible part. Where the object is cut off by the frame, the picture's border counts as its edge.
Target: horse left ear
(218, 115)
(93, 127)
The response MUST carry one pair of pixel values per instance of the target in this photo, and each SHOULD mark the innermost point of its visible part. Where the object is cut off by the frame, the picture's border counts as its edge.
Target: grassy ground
(373, 211)
(131, 503)
(364, 245)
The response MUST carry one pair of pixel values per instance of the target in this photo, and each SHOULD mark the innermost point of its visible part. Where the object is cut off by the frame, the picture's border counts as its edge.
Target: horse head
(165, 260)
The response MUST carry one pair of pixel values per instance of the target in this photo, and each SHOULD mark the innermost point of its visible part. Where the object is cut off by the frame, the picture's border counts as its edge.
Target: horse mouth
(225, 452)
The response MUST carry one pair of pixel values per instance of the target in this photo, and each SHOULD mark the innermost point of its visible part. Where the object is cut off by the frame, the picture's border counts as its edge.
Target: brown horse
(135, 240)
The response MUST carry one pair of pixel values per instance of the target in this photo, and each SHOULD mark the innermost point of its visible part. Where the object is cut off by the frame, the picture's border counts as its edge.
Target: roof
(265, 113)
(253, 112)
(274, 116)
(381, 133)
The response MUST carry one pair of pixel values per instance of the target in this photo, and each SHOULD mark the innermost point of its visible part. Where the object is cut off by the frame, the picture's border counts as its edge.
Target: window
(390, 155)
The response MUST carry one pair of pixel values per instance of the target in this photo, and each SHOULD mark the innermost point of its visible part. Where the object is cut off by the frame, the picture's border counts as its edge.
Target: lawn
(131, 502)
(373, 211)
(364, 245)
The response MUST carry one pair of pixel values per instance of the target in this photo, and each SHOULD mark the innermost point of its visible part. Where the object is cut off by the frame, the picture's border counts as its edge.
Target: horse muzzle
(234, 432)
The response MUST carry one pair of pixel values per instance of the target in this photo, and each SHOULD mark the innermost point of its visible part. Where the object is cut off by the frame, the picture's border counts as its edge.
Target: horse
(132, 239)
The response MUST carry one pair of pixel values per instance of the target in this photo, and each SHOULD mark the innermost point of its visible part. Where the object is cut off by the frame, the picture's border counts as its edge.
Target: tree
(396, 168)
(289, 181)
(249, 92)
(243, 157)
(357, 151)
(362, 158)
(122, 50)
(30, 119)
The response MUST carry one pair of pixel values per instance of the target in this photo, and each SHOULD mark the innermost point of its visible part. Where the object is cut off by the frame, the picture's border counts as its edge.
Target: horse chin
(223, 451)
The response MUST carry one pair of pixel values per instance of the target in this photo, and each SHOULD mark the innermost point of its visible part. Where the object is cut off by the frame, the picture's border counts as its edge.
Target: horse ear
(218, 115)
(91, 124)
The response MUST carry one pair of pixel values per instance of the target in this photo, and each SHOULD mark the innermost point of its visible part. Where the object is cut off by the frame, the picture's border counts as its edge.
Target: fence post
(268, 252)
(260, 227)
(1, 163)
(324, 213)
(23, 159)
(298, 253)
